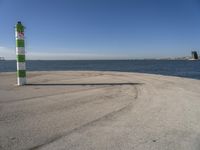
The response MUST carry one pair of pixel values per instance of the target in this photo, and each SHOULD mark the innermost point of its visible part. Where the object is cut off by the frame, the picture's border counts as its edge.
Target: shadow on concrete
(80, 84)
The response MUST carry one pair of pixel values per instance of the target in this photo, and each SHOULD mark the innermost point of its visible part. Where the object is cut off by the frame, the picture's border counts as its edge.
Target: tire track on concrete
(91, 123)
(82, 90)
(35, 97)
(79, 128)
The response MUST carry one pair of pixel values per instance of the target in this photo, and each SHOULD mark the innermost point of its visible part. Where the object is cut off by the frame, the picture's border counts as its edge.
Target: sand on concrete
(85, 110)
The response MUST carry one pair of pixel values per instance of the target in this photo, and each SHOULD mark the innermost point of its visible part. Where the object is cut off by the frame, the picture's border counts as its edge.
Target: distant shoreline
(103, 59)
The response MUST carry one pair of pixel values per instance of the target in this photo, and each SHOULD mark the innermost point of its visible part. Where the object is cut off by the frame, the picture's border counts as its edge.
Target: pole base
(21, 81)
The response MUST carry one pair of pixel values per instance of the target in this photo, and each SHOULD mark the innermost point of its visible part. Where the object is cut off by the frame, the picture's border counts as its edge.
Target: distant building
(195, 55)
(2, 58)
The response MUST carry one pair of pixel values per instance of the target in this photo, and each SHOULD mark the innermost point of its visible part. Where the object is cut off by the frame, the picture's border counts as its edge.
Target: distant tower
(195, 55)
(20, 52)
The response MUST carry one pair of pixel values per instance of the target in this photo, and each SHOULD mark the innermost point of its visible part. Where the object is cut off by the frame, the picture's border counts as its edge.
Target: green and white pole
(20, 52)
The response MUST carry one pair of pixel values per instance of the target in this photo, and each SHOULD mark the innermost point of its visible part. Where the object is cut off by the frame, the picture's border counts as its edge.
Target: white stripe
(21, 81)
(21, 66)
(16, 33)
(20, 50)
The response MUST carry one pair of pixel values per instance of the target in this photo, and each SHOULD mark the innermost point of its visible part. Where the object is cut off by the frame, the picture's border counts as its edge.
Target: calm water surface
(181, 68)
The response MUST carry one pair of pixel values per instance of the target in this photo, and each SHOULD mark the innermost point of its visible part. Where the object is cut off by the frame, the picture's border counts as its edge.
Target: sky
(101, 29)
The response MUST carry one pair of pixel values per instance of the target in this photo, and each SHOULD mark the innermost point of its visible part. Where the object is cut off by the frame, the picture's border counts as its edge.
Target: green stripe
(21, 73)
(20, 58)
(20, 43)
(20, 27)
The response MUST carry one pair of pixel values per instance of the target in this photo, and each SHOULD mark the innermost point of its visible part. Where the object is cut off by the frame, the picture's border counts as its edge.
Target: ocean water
(181, 68)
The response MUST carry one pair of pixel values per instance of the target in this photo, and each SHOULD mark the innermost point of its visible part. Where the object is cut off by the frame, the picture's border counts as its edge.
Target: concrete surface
(99, 111)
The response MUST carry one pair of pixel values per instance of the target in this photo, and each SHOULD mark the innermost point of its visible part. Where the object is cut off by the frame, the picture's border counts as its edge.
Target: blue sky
(101, 29)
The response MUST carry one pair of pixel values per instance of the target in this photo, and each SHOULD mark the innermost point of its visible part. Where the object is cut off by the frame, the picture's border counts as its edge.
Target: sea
(180, 68)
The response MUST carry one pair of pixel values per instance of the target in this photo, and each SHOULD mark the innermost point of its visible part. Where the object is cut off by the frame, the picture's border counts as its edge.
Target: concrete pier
(99, 110)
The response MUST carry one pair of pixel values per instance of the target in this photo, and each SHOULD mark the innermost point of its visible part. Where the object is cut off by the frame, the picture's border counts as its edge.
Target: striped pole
(20, 52)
